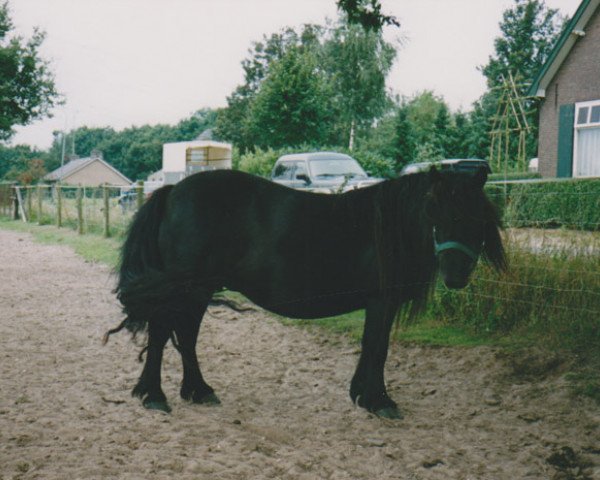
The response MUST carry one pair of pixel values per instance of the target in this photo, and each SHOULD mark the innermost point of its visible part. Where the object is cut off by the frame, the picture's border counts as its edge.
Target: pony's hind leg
(148, 387)
(193, 388)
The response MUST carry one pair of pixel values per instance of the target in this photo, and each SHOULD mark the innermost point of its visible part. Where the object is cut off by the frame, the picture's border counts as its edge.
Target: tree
(357, 62)
(30, 171)
(27, 90)
(529, 30)
(403, 139)
(366, 13)
(457, 145)
(442, 128)
(291, 107)
(233, 122)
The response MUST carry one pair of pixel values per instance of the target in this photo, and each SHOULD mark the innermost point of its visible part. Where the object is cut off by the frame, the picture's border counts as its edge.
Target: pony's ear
(434, 175)
(480, 177)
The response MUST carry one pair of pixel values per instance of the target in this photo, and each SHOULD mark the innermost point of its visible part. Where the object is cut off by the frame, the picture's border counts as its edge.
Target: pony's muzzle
(455, 283)
(456, 269)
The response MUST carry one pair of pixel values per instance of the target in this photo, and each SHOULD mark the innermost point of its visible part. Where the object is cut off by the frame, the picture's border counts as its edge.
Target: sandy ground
(66, 409)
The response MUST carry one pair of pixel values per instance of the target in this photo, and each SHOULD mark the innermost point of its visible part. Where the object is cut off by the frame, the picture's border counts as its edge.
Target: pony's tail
(140, 257)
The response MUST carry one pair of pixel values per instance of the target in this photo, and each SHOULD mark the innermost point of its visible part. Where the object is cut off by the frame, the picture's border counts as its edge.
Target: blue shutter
(566, 122)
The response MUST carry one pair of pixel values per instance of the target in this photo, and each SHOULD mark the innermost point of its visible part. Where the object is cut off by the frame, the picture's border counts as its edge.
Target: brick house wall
(577, 80)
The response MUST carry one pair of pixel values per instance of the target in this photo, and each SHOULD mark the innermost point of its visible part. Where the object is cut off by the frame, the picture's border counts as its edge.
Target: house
(568, 86)
(91, 171)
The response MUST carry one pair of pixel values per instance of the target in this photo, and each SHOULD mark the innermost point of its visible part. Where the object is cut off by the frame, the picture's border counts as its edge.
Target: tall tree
(233, 122)
(529, 29)
(291, 106)
(366, 13)
(403, 138)
(358, 63)
(27, 90)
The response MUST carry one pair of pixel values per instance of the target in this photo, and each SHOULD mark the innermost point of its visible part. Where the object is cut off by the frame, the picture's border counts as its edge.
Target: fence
(550, 292)
(106, 209)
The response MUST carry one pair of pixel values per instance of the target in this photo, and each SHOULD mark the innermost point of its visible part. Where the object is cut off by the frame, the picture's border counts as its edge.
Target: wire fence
(552, 284)
(105, 210)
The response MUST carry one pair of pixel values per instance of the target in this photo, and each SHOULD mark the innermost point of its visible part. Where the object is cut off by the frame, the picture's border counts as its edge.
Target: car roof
(421, 166)
(314, 156)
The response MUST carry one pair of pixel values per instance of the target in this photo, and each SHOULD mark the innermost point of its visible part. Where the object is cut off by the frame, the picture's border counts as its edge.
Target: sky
(120, 63)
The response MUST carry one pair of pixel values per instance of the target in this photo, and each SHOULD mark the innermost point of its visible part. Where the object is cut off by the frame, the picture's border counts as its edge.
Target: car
(321, 172)
(453, 164)
(127, 200)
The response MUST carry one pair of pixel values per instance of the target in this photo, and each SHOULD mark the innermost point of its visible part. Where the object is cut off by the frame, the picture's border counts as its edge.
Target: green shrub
(573, 204)
(553, 297)
(374, 165)
(259, 162)
(499, 177)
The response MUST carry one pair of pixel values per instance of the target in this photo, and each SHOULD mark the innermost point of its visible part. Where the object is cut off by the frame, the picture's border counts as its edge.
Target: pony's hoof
(160, 405)
(389, 412)
(208, 399)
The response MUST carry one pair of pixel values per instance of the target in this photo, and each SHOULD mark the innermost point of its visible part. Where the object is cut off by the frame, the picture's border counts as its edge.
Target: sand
(66, 409)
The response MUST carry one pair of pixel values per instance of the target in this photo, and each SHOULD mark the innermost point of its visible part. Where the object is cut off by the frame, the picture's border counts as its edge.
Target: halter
(452, 245)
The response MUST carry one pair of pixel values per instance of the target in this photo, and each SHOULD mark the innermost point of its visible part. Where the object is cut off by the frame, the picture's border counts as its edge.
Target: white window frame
(584, 126)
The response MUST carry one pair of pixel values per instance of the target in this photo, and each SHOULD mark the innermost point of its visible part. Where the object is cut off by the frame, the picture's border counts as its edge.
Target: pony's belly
(310, 307)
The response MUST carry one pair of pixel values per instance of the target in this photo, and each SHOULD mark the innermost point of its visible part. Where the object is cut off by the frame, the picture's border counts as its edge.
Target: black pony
(300, 255)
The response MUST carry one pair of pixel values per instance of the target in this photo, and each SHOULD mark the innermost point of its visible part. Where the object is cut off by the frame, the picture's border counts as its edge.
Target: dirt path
(66, 411)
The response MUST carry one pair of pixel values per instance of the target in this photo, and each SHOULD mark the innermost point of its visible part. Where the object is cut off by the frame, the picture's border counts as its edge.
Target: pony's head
(464, 225)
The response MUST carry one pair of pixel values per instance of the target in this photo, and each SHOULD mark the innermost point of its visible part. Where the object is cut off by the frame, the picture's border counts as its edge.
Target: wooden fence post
(106, 214)
(15, 199)
(58, 205)
(29, 201)
(20, 208)
(79, 201)
(39, 205)
(139, 194)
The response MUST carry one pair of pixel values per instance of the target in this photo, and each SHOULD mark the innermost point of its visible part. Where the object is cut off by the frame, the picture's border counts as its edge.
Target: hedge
(573, 203)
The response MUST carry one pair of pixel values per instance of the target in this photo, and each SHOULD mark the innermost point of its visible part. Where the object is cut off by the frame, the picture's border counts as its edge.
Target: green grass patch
(425, 332)
(429, 333)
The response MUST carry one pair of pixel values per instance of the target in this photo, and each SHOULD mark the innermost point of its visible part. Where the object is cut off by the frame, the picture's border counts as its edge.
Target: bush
(571, 204)
(259, 162)
(551, 296)
(499, 177)
(374, 165)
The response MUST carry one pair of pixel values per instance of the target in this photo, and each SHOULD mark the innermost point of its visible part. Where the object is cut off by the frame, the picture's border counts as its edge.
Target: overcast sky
(134, 62)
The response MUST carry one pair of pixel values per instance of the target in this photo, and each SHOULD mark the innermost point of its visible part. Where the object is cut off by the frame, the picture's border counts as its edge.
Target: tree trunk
(352, 133)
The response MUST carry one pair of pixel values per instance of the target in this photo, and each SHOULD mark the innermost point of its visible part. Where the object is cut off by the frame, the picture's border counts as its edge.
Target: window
(283, 171)
(300, 170)
(586, 151)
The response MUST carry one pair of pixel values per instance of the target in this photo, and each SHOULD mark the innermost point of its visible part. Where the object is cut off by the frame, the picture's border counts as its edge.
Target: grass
(549, 300)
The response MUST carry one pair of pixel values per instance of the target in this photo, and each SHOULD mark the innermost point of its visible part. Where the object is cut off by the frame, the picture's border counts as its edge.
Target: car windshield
(336, 167)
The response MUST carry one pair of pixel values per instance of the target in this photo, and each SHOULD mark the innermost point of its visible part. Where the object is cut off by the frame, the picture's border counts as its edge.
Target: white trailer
(181, 159)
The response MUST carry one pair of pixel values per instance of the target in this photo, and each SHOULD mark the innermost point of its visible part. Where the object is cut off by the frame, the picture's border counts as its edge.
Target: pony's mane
(404, 236)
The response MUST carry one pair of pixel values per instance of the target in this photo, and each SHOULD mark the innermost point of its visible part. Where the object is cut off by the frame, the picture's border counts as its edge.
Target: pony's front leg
(368, 385)
(148, 387)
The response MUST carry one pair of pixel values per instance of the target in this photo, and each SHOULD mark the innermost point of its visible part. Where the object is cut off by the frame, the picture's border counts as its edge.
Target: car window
(336, 167)
(283, 171)
(300, 169)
